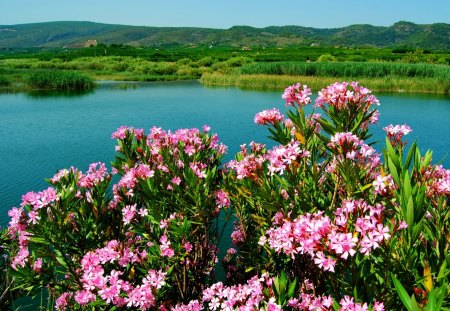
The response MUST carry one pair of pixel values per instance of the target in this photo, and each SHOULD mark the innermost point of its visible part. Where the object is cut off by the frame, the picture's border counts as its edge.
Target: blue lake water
(42, 134)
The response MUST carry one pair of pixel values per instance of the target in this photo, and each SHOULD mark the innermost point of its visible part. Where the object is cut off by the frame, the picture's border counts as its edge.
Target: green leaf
(410, 156)
(60, 259)
(431, 305)
(391, 153)
(38, 240)
(393, 171)
(402, 293)
(410, 214)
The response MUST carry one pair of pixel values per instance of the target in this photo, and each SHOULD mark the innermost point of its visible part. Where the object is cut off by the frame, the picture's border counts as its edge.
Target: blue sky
(224, 14)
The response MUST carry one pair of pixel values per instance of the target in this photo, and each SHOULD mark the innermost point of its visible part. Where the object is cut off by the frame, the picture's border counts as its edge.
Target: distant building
(90, 43)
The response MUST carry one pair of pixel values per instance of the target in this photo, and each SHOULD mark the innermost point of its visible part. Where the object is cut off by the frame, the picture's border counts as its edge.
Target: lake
(40, 134)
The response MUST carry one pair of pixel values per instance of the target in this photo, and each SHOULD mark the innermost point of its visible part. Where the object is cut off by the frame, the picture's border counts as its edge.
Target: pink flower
(176, 180)
(166, 250)
(62, 302)
(84, 297)
(270, 116)
(187, 246)
(129, 212)
(222, 199)
(297, 94)
(37, 265)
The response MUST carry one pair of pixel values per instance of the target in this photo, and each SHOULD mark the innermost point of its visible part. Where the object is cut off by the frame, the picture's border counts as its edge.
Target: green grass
(279, 82)
(4, 81)
(350, 69)
(237, 69)
(59, 80)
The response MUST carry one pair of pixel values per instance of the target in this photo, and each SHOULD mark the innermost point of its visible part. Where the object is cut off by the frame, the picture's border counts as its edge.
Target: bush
(59, 80)
(4, 81)
(326, 58)
(320, 221)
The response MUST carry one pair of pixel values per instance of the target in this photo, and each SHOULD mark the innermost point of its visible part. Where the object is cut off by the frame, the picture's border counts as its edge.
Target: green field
(399, 69)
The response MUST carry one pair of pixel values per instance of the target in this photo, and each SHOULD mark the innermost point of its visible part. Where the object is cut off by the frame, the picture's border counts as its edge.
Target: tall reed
(275, 82)
(59, 80)
(349, 69)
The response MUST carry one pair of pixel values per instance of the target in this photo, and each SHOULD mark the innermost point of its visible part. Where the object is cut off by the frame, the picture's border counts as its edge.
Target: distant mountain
(78, 34)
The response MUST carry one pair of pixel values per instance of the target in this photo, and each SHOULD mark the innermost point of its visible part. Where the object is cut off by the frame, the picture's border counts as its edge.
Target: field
(400, 69)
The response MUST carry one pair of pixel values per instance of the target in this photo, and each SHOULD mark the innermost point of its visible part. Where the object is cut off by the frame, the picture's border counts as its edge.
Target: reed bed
(349, 69)
(277, 82)
(59, 80)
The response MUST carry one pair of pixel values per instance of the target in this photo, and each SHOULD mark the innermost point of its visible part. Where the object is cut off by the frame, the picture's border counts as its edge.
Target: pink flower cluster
(383, 184)
(248, 167)
(356, 226)
(192, 140)
(297, 94)
(281, 157)
(438, 181)
(349, 147)
(38, 200)
(17, 228)
(278, 159)
(96, 174)
(396, 132)
(257, 294)
(339, 96)
(166, 149)
(270, 116)
(222, 199)
(114, 287)
(121, 132)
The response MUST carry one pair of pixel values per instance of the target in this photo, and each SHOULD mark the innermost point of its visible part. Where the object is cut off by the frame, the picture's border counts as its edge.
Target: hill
(78, 34)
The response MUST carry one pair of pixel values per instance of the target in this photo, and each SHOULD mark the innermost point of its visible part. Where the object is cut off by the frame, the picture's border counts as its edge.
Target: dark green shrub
(59, 80)
(4, 81)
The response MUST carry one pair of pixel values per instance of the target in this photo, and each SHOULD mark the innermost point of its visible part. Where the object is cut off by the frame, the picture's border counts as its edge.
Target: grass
(350, 69)
(389, 84)
(237, 70)
(59, 80)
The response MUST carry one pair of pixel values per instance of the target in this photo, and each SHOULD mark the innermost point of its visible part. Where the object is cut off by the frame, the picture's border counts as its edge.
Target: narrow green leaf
(431, 305)
(410, 156)
(410, 214)
(402, 293)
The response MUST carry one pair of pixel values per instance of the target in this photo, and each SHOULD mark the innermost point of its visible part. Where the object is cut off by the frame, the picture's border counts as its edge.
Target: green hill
(78, 34)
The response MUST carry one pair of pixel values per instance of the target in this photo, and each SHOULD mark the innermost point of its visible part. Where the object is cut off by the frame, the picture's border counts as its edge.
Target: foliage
(77, 34)
(350, 69)
(4, 81)
(59, 80)
(320, 221)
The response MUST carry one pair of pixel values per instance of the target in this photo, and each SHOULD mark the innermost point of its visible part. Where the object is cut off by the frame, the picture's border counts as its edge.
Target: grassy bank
(350, 69)
(388, 84)
(235, 71)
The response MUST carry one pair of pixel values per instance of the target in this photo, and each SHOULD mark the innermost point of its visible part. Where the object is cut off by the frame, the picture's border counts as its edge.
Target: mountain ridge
(61, 34)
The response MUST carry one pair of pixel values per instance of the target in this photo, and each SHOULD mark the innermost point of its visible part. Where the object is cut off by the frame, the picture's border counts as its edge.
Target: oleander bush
(321, 221)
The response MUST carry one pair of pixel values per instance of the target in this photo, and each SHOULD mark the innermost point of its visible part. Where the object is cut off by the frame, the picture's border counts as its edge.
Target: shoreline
(274, 82)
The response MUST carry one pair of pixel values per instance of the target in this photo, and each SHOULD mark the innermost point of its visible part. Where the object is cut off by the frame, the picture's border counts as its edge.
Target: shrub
(320, 221)
(326, 58)
(59, 80)
(4, 81)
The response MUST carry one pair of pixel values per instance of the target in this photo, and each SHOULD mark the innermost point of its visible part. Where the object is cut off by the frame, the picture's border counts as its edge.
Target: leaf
(431, 305)
(60, 259)
(428, 283)
(402, 293)
(410, 213)
(391, 153)
(393, 171)
(300, 138)
(38, 240)
(410, 156)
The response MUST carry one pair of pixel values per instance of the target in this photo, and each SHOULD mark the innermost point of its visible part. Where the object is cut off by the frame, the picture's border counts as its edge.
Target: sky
(224, 14)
